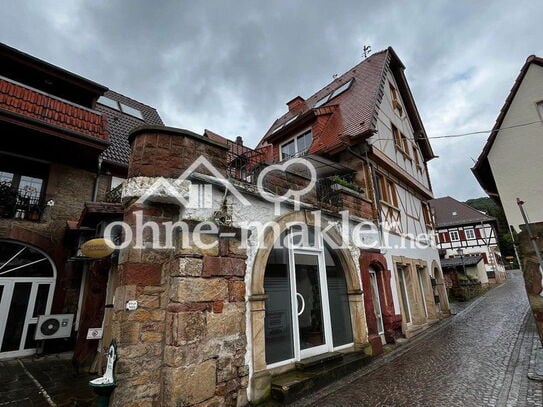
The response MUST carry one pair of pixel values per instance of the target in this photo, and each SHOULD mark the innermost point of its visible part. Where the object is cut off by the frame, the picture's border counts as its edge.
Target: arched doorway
(262, 326)
(306, 290)
(27, 283)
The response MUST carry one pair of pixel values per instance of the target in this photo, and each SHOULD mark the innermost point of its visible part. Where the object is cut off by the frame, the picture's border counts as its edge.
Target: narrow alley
(480, 357)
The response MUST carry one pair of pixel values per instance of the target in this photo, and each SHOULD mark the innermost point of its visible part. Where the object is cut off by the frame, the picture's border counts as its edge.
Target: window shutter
(477, 233)
(485, 259)
(443, 237)
(462, 235)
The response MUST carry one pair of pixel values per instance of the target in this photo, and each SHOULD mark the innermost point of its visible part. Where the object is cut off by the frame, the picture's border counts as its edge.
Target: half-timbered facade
(463, 231)
(363, 130)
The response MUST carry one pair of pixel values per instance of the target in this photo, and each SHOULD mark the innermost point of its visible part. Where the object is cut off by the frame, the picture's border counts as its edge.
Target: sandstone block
(185, 327)
(230, 322)
(202, 244)
(236, 291)
(197, 289)
(223, 266)
(189, 385)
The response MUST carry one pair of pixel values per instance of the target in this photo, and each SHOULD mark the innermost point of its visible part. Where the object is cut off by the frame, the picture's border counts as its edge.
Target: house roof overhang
(482, 169)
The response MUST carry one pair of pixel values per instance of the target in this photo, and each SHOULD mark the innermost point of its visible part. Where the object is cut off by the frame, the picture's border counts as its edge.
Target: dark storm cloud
(232, 66)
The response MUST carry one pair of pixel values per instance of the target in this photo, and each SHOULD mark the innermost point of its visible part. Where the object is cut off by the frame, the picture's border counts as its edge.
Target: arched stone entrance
(261, 377)
(27, 284)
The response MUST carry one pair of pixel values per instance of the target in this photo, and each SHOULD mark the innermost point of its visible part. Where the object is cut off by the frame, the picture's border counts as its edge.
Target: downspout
(96, 179)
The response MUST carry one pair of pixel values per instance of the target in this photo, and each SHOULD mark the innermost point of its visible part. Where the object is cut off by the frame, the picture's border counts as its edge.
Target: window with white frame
(454, 236)
(296, 146)
(470, 233)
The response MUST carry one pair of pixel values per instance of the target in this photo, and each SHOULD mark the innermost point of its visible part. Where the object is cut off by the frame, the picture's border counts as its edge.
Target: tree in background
(505, 241)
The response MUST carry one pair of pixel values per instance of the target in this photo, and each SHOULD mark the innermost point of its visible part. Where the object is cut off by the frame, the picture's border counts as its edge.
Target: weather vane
(366, 50)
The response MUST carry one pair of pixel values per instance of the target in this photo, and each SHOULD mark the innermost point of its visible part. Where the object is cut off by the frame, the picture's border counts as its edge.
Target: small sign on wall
(94, 333)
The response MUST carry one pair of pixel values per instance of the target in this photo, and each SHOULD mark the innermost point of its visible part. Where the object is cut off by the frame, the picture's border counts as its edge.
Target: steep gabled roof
(481, 169)
(354, 109)
(450, 212)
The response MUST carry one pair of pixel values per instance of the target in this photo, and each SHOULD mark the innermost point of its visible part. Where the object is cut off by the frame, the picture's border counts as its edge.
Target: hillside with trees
(488, 206)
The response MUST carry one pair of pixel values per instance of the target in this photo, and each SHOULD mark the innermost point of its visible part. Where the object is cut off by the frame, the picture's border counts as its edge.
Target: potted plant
(33, 212)
(340, 183)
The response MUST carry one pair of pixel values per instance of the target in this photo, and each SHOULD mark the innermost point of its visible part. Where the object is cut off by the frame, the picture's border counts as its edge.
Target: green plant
(8, 199)
(345, 183)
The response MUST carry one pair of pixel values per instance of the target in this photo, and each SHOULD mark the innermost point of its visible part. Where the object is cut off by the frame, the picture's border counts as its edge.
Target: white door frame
(328, 344)
(7, 296)
(377, 296)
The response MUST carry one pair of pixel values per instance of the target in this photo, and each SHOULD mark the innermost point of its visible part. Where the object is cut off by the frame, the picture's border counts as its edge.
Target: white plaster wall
(384, 141)
(516, 156)
(395, 248)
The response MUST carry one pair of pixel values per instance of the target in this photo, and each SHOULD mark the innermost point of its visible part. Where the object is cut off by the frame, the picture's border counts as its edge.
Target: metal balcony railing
(19, 205)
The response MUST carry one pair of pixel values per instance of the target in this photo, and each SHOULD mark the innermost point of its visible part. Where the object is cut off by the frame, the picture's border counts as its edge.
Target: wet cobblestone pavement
(50, 381)
(479, 357)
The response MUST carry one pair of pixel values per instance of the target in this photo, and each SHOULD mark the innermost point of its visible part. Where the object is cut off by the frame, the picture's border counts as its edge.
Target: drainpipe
(96, 179)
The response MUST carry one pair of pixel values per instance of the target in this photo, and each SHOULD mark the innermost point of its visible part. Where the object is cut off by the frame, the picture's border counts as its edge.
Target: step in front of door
(315, 373)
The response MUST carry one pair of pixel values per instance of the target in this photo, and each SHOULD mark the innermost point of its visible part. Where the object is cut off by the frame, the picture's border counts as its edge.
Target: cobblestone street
(479, 357)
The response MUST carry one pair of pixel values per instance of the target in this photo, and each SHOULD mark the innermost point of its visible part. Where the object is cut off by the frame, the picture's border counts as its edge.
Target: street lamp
(460, 252)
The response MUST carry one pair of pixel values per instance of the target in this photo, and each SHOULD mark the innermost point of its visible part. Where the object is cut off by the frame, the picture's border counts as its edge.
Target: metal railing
(243, 163)
(17, 205)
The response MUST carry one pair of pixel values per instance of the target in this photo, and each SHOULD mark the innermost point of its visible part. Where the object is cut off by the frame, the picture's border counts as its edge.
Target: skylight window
(290, 120)
(285, 124)
(103, 100)
(335, 93)
(131, 111)
(108, 102)
(341, 89)
(322, 101)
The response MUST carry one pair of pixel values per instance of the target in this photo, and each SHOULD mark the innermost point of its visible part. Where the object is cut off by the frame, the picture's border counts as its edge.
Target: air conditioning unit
(54, 326)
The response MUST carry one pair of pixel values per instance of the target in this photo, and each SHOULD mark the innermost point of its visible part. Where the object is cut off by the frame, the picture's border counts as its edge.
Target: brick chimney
(296, 105)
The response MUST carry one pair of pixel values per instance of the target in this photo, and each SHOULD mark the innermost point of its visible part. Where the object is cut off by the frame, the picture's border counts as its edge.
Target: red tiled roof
(33, 104)
(357, 104)
(353, 113)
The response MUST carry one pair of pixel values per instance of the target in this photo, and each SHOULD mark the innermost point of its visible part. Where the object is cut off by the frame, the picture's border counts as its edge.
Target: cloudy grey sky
(230, 66)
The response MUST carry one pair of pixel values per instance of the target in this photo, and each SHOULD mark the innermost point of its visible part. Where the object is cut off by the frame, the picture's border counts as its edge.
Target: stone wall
(530, 270)
(69, 187)
(186, 344)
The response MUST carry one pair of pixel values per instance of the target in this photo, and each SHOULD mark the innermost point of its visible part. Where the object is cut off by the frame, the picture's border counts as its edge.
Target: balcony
(34, 109)
(20, 204)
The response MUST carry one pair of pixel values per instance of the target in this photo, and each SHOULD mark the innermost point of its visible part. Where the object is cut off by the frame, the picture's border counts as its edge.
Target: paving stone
(480, 357)
(55, 374)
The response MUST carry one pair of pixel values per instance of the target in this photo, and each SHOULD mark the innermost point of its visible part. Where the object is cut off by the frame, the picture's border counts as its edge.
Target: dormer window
(296, 146)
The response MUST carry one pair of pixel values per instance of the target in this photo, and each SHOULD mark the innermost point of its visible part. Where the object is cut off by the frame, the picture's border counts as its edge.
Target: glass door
(376, 302)
(312, 312)
(26, 291)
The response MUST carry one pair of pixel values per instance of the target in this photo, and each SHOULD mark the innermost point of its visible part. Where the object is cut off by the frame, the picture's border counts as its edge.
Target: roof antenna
(366, 50)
